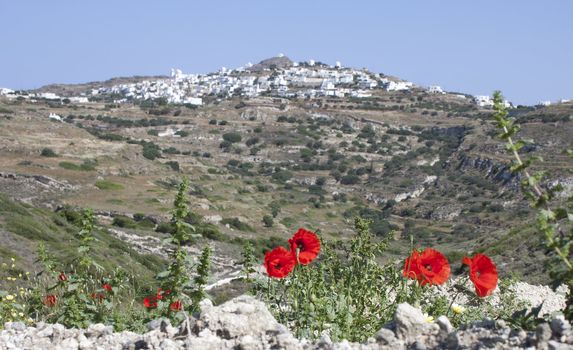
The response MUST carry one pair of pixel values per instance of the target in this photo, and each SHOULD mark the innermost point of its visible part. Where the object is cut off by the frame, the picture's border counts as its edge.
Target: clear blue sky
(522, 47)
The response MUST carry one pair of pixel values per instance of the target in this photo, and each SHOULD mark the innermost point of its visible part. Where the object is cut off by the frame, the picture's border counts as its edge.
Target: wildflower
(458, 309)
(21, 314)
(13, 259)
(98, 296)
(107, 287)
(150, 302)
(483, 273)
(430, 266)
(161, 293)
(176, 306)
(279, 262)
(428, 318)
(62, 277)
(9, 297)
(30, 320)
(50, 300)
(305, 245)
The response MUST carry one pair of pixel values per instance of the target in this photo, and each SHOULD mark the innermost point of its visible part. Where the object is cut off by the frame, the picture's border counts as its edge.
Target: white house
(398, 86)
(79, 99)
(487, 101)
(49, 96)
(435, 89)
(483, 101)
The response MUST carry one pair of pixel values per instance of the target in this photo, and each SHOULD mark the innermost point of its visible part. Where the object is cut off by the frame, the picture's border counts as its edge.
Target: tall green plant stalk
(175, 277)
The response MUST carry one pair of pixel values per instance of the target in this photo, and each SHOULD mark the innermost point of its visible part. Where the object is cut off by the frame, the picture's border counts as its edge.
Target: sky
(522, 47)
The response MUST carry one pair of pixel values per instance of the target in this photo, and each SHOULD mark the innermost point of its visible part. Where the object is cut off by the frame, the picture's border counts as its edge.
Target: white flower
(458, 309)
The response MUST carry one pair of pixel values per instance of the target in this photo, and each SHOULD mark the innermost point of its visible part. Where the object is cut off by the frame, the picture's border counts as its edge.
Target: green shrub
(349, 180)
(268, 221)
(237, 224)
(174, 165)
(87, 165)
(108, 185)
(232, 137)
(48, 152)
(124, 221)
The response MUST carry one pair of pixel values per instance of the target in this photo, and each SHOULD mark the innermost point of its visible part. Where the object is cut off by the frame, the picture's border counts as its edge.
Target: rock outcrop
(246, 323)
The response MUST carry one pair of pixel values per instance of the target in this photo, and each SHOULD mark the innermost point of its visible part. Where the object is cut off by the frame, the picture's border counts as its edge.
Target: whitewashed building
(435, 89)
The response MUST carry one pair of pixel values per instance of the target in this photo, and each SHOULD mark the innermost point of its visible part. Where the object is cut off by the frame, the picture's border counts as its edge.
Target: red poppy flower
(98, 296)
(279, 262)
(483, 273)
(150, 302)
(107, 287)
(161, 293)
(50, 300)
(176, 306)
(430, 266)
(305, 245)
(62, 277)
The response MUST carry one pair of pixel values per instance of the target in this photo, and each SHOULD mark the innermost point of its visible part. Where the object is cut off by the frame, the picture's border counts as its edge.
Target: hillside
(417, 163)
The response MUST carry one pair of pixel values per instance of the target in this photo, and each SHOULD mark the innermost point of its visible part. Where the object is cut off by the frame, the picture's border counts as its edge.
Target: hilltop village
(277, 76)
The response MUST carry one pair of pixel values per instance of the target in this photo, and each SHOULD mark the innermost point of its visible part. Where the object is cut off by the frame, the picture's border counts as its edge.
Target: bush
(237, 224)
(252, 141)
(87, 165)
(350, 180)
(124, 221)
(151, 150)
(108, 185)
(48, 152)
(282, 175)
(171, 150)
(232, 137)
(268, 220)
(174, 165)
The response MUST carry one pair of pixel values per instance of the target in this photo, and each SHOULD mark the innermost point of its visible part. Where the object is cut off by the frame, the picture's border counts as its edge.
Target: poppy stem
(461, 286)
